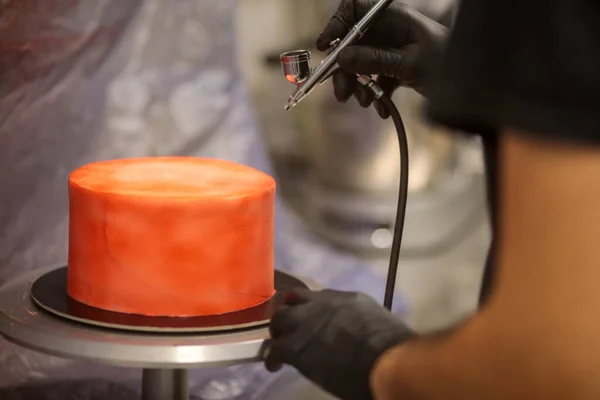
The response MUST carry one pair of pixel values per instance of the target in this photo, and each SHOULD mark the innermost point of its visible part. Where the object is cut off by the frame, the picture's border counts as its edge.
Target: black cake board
(49, 292)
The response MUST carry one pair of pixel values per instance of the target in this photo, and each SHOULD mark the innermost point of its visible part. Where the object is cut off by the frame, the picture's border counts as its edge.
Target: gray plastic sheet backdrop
(84, 80)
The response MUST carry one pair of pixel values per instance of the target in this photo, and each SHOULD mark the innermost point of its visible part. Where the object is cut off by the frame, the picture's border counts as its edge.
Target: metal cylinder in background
(339, 165)
(353, 148)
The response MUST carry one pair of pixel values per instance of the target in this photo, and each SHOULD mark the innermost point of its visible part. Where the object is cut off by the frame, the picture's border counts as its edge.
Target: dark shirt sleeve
(532, 65)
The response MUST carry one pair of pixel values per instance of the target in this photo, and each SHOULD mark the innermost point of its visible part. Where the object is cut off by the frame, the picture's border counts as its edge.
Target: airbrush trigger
(334, 43)
(332, 46)
(364, 80)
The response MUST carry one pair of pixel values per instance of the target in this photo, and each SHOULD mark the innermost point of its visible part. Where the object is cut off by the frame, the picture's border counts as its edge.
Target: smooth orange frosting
(170, 236)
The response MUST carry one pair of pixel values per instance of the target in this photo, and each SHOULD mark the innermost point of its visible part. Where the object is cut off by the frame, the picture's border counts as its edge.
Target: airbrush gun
(296, 66)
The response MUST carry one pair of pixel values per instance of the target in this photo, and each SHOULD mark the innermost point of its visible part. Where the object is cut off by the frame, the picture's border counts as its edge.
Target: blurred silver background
(339, 167)
(169, 85)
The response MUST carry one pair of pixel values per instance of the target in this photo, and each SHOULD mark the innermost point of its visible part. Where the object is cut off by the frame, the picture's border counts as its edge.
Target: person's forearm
(536, 336)
(427, 362)
(473, 363)
(433, 367)
(497, 354)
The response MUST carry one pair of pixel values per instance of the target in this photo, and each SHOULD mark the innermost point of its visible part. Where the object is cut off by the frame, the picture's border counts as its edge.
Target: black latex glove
(397, 47)
(334, 339)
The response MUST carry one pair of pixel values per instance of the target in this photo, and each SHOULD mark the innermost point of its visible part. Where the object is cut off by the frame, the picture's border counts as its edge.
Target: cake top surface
(171, 177)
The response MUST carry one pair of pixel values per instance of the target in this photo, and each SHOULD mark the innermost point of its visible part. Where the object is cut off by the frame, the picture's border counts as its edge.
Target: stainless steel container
(350, 189)
(353, 186)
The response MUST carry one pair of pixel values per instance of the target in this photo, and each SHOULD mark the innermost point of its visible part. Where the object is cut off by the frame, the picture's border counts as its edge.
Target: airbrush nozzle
(295, 98)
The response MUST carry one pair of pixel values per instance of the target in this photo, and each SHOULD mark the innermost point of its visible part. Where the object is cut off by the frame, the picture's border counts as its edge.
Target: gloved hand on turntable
(397, 47)
(334, 339)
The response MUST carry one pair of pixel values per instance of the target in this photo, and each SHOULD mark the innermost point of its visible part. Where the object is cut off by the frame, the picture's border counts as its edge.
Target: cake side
(172, 244)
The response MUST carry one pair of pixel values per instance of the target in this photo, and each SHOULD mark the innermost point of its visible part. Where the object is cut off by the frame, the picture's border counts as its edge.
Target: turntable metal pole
(165, 384)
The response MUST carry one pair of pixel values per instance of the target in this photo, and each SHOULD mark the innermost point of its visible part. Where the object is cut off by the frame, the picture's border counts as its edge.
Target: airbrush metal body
(297, 67)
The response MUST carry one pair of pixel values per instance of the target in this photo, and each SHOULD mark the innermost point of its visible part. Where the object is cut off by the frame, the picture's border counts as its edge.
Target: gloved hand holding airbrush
(396, 47)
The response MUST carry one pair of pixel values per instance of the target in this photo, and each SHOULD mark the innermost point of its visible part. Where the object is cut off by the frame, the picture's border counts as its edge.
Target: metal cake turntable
(36, 313)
